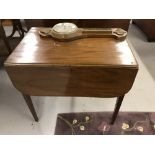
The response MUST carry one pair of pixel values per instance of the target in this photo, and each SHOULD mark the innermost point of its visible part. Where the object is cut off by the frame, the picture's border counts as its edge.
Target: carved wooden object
(69, 31)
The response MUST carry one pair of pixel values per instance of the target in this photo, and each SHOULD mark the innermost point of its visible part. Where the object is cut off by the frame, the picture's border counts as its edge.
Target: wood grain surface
(90, 51)
(98, 67)
(72, 81)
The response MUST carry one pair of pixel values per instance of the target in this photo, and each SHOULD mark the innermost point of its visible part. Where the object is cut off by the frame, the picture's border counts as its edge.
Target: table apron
(81, 81)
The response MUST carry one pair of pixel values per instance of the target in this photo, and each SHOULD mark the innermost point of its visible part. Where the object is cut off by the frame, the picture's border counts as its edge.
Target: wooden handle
(96, 30)
(116, 33)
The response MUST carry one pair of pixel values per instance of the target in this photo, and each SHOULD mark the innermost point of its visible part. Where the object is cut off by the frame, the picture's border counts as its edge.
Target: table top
(35, 50)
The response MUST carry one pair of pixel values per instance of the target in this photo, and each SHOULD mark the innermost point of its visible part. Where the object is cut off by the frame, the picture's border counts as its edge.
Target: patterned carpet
(97, 123)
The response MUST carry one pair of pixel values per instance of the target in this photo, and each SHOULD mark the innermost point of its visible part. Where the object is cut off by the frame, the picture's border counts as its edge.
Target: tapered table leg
(117, 107)
(31, 107)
